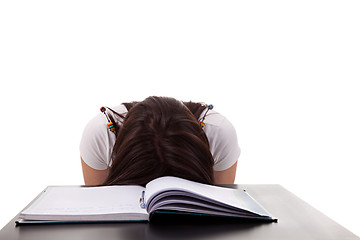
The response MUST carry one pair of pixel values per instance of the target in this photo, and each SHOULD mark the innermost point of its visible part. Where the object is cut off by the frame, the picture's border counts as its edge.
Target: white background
(285, 73)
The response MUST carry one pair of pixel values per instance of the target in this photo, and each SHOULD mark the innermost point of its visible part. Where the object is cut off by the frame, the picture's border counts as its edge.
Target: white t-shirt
(97, 141)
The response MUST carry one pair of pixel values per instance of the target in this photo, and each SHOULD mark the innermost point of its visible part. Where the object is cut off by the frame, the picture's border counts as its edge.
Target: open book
(135, 203)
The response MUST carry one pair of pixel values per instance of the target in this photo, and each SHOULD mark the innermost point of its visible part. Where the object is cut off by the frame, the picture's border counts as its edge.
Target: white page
(233, 197)
(88, 201)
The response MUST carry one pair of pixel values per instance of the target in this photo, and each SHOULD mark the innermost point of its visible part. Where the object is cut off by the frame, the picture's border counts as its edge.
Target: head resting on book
(161, 136)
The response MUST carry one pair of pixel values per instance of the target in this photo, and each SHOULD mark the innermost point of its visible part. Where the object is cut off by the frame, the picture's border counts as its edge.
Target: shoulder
(217, 125)
(97, 141)
(223, 140)
(97, 126)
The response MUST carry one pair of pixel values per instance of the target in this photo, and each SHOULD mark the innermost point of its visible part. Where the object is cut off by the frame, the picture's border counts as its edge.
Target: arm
(225, 177)
(93, 176)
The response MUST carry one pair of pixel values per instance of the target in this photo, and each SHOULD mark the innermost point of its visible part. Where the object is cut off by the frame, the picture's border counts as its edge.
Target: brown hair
(161, 136)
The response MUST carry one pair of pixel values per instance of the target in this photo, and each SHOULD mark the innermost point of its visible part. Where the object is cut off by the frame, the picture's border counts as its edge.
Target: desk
(297, 220)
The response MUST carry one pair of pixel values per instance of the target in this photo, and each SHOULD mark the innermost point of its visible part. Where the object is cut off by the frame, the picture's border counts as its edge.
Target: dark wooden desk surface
(297, 220)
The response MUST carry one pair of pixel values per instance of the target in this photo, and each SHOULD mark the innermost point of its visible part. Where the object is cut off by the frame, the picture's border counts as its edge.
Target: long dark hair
(161, 136)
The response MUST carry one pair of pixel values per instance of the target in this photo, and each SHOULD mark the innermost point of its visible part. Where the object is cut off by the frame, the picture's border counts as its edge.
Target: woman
(159, 136)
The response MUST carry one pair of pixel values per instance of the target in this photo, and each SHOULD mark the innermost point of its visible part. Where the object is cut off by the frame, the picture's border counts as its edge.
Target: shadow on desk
(208, 229)
(202, 228)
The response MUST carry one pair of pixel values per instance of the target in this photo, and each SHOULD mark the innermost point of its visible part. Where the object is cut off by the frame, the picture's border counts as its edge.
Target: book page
(226, 196)
(84, 201)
